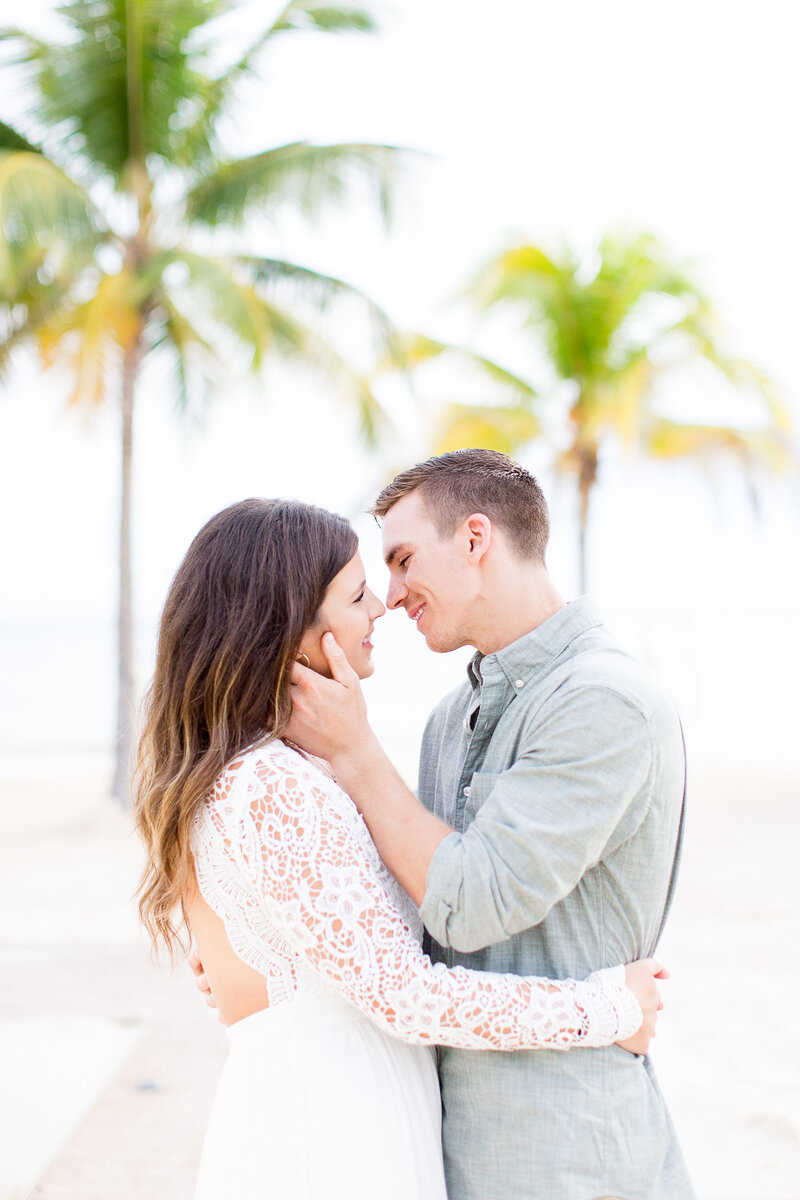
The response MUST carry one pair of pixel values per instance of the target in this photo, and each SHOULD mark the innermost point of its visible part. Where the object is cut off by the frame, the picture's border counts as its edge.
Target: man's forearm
(404, 832)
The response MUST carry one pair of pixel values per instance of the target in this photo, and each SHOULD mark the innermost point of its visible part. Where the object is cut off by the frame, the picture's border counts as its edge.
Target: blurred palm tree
(113, 168)
(603, 333)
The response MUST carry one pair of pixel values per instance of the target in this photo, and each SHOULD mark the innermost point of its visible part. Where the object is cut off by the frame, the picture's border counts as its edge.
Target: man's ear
(478, 531)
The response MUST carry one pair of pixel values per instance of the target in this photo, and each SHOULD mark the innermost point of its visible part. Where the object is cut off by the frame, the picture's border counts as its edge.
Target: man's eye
(403, 561)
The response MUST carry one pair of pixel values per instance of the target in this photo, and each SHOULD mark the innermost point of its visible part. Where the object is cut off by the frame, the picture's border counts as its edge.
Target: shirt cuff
(442, 885)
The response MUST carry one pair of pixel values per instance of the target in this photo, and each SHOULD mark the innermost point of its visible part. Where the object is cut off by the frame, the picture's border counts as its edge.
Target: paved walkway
(112, 1063)
(141, 1139)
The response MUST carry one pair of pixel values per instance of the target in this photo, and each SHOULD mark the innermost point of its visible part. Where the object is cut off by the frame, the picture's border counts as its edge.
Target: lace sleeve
(305, 855)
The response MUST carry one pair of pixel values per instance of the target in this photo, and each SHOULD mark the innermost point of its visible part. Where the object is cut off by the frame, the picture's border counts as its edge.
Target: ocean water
(736, 681)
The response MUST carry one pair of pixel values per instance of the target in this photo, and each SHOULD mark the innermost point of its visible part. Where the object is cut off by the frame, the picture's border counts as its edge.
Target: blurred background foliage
(603, 332)
(128, 234)
(110, 176)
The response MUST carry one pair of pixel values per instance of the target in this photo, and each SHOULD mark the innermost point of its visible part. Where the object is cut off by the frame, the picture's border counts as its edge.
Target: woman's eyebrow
(360, 588)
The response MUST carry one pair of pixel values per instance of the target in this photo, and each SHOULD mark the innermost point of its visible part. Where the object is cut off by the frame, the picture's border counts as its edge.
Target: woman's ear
(311, 648)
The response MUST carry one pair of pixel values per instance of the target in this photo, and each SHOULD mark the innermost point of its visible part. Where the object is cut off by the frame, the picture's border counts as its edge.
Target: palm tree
(602, 333)
(112, 170)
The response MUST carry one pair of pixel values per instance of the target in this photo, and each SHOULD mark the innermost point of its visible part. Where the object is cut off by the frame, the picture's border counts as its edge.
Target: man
(547, 838)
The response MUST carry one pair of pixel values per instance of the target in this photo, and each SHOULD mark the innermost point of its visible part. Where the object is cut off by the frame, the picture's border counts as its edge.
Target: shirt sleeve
(580, 786)
(320, 890)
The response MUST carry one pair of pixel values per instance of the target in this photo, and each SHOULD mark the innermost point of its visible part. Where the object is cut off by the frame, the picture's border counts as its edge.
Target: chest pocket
(480, 787)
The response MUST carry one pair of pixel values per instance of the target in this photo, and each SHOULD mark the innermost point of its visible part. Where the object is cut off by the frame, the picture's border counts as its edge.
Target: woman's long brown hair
(249, 587)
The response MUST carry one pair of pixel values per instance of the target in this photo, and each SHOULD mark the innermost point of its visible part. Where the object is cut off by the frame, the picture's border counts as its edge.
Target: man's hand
(201, 982)
(330, 716)
(640, 978)
(330, 720)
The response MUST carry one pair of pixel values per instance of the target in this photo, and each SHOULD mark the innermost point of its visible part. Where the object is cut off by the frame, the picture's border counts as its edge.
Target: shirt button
(466, 791)
(465, 723)
(519, 683)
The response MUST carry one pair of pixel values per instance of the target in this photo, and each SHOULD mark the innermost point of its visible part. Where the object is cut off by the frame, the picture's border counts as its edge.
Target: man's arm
(201, 979)
(539, 825)
(579, 789)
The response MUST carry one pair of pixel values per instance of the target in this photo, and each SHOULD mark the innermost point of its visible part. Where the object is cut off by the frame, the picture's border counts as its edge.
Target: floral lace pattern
(285, 859)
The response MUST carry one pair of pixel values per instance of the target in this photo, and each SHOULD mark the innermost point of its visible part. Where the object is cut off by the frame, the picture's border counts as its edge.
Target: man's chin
(438, 645)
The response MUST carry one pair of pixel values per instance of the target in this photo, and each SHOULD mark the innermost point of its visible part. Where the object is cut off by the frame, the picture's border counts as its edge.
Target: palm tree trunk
(123, 765)
(582, 527)
(587, 477)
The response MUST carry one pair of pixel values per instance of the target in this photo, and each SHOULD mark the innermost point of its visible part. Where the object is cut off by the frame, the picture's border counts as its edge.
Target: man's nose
(396, 594)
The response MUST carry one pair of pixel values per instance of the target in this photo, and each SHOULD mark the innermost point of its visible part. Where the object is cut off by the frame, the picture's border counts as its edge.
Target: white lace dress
(331, 1092)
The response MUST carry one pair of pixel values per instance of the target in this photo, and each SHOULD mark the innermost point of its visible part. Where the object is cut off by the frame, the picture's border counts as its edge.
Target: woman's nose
(377, 608)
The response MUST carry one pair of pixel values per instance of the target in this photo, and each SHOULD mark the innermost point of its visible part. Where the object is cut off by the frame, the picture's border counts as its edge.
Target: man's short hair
(453, 486)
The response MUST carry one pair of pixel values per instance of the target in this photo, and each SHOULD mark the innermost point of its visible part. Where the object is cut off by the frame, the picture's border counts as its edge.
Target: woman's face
(349, 611)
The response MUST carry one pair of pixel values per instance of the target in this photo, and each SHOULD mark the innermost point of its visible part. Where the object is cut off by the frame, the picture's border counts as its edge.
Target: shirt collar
(525, 658)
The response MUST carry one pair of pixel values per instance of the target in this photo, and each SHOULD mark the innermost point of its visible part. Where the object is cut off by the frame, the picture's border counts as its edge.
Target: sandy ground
(108, 1063)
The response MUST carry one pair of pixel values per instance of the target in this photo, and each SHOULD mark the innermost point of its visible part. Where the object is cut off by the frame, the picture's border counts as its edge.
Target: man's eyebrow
(396, 552)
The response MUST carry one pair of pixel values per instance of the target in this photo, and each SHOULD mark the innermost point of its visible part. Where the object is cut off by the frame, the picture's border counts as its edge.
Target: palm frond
(319, 289)
(192, 355)
(407, 351)
(545, 292)
(20, 322)
(223, 304)
(48, 226)
(328, 18)
(300, 173)
(124, 83)
(296, 340)
(508, 276)
(87, 337)
(753, 447)
(618, 403)
(12, 139)
(698, 329)
(298, 16)
(490, 427)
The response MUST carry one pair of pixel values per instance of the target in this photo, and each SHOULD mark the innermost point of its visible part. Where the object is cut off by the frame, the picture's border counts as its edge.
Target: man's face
(429, 576)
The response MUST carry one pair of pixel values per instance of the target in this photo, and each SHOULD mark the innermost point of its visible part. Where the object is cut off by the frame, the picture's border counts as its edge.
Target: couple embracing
(424, 997)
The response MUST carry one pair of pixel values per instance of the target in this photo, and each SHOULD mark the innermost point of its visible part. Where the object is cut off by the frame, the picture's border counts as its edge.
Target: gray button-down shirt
(560, 766)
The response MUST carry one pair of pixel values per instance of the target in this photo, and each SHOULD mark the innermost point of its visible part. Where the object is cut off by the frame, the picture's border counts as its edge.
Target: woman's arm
(301, 843)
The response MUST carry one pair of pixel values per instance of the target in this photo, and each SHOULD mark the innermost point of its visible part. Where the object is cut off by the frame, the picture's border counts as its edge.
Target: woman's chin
(366, 667)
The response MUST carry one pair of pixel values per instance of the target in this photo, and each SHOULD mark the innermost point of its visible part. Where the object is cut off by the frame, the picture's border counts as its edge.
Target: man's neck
(520, 605)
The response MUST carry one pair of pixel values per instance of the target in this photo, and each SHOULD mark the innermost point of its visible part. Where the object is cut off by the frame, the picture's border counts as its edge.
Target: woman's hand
(640, 978)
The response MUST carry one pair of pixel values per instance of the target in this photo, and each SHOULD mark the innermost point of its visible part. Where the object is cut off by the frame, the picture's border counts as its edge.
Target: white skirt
(316, 1103)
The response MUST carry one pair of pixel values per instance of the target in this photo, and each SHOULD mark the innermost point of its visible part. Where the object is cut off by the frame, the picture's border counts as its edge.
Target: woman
(310, 946)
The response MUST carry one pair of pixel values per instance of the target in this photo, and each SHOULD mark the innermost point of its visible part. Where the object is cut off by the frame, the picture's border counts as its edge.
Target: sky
(546, 122)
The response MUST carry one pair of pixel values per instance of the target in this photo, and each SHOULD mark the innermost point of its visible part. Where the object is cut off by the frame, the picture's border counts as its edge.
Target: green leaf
(10, 139)
(48, 226)
(407, 351)
(340, 18)
(224, 305)
(319, 289)
(300, 174)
